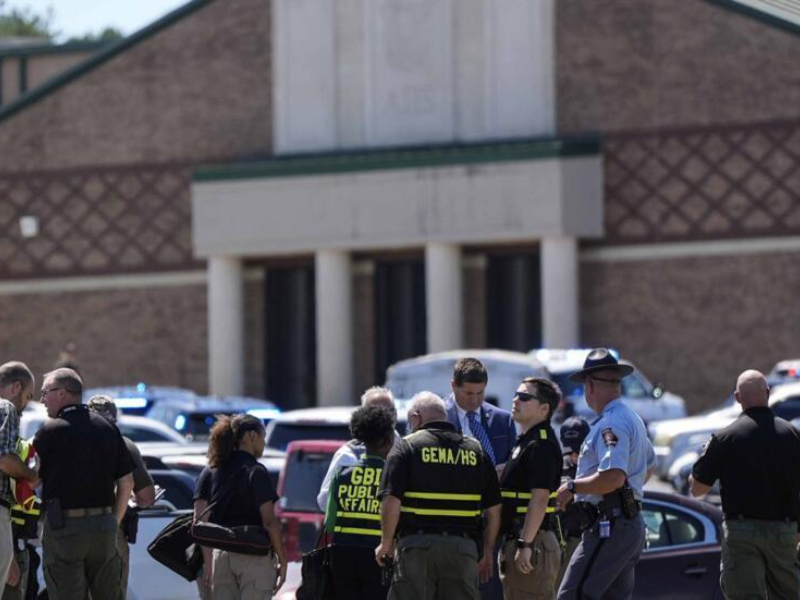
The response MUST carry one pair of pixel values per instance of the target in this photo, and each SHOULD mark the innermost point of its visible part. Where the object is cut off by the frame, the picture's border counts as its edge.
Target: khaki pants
(124, 552)
(435, 567)
(759, 560)
(17, 592)
(82, 556)
(243, 577)
(540, 584)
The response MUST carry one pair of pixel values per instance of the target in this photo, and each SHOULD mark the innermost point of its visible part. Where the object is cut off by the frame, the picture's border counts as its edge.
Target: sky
(77, 17)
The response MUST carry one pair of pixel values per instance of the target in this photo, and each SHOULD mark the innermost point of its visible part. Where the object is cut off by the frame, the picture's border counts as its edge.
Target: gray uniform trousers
(603, 568)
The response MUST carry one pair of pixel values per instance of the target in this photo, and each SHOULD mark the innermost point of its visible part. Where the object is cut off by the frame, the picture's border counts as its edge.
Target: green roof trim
(99, 58)
(758, 15)
(68, 48)
(401, 158)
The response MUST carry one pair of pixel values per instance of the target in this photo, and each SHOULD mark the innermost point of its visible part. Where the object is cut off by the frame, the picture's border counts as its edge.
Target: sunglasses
(526, 397)
(605, 380)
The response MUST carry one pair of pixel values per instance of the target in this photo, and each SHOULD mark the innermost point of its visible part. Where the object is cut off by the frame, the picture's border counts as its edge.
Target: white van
(433, 372)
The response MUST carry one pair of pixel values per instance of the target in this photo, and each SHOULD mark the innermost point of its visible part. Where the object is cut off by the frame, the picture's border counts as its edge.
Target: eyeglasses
(55, 389)
(604, 380)
(526, 397)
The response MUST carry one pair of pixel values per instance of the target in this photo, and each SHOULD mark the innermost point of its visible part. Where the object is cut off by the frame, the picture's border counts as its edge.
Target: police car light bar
(129, 403)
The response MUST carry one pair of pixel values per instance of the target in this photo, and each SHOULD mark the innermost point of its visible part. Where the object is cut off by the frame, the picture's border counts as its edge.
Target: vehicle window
(632, 387)
(283, 433)
(302, 480)
(788, 409)
(667, 527)
(178, 493)
(140, 434)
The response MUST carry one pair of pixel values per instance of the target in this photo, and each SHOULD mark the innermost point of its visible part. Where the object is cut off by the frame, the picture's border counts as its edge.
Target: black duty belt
(437, 531)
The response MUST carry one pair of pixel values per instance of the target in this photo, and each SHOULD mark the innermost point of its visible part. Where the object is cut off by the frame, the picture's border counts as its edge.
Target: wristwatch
(571, 486)
(523, 544)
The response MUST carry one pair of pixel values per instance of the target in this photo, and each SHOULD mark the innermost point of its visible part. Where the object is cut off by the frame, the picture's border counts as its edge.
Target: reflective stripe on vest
(520, 501)
(358, 507)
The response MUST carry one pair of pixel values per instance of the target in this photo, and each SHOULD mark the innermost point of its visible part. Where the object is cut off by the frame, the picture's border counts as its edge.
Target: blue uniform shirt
(617, 440)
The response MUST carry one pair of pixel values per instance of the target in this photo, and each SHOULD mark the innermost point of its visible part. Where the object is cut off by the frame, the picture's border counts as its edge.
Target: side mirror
(658, 391)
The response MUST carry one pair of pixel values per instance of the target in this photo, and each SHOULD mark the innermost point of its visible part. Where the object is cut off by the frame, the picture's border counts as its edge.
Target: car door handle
(695, 571)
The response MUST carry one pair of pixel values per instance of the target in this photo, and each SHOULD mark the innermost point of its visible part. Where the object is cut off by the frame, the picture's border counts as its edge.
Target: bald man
(757, 462)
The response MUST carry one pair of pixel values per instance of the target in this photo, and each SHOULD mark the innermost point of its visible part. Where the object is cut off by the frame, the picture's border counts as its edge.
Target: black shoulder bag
(242, 539)
(316, 574)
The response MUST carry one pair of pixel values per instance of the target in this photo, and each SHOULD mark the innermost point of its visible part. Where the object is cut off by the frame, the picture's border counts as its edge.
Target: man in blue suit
(491, 426)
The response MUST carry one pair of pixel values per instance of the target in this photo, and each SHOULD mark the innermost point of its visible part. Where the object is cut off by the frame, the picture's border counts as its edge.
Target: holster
(621, 502)
(579, 516)
(130, 525)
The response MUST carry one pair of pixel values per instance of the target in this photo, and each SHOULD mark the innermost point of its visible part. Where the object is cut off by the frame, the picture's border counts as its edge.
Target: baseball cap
(573, 431)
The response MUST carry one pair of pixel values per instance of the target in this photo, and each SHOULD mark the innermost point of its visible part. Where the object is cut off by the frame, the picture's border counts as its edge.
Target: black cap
(600, 359)
(573, 431)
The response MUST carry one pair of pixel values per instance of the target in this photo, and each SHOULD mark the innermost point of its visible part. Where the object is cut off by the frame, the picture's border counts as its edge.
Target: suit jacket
(497, 423)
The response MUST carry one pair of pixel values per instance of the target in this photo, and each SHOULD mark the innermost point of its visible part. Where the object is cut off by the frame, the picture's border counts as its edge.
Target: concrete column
(225, 326)
(560, 316)
(443, 299)
(334, 305)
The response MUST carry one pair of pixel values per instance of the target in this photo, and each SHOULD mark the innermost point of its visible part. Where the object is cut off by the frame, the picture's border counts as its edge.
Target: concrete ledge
(500, 201)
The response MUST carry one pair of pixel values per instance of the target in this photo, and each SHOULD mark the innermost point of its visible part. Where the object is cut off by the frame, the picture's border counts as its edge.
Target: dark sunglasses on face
(525, 397)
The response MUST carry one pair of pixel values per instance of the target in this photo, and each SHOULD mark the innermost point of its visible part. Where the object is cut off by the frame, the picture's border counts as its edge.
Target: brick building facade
(691, 114)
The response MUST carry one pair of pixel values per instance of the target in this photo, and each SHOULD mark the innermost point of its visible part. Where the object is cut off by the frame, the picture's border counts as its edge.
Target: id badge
(604, 529)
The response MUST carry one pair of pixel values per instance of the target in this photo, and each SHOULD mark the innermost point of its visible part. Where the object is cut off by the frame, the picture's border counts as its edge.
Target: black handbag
(242, 539)
(316, 573)
(174, 548)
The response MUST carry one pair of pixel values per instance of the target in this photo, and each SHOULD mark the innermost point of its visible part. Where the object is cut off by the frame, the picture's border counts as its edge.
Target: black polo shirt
(535, 462)
(239, 487)
(757, 461)
(82, 456)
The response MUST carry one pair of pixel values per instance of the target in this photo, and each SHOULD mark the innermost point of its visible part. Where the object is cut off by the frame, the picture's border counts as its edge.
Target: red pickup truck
(307, 462)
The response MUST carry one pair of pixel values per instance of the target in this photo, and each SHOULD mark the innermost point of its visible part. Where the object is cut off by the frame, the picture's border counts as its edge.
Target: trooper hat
(600, 359)
(104, 406)
(573, 431)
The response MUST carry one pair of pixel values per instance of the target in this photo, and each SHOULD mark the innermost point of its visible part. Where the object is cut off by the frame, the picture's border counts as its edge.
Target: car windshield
(283, 433)
(303, 478)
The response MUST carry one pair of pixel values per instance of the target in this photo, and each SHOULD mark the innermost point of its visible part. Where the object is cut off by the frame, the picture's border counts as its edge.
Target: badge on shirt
(609, 437)
(515, 452)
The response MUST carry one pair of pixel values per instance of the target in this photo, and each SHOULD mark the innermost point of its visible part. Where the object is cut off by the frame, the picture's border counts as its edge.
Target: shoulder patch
(609, 437)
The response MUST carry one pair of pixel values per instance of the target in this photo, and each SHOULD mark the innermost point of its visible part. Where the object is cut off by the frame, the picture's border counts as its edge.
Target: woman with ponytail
(242, 494)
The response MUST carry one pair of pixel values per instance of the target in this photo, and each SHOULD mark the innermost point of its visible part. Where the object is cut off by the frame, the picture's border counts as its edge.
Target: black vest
(445, 484)
(516, 496)
(358, 509)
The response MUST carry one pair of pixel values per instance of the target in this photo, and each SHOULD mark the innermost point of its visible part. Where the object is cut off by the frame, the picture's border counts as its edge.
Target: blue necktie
(480, 434)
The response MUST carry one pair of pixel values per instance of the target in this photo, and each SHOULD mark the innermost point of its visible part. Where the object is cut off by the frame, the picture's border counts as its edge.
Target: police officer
(353, 512)
(434, 488)
(757, 461)
(143, 486)
(86, 473)
(531, 555)
(613, 466)
(572, 433)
